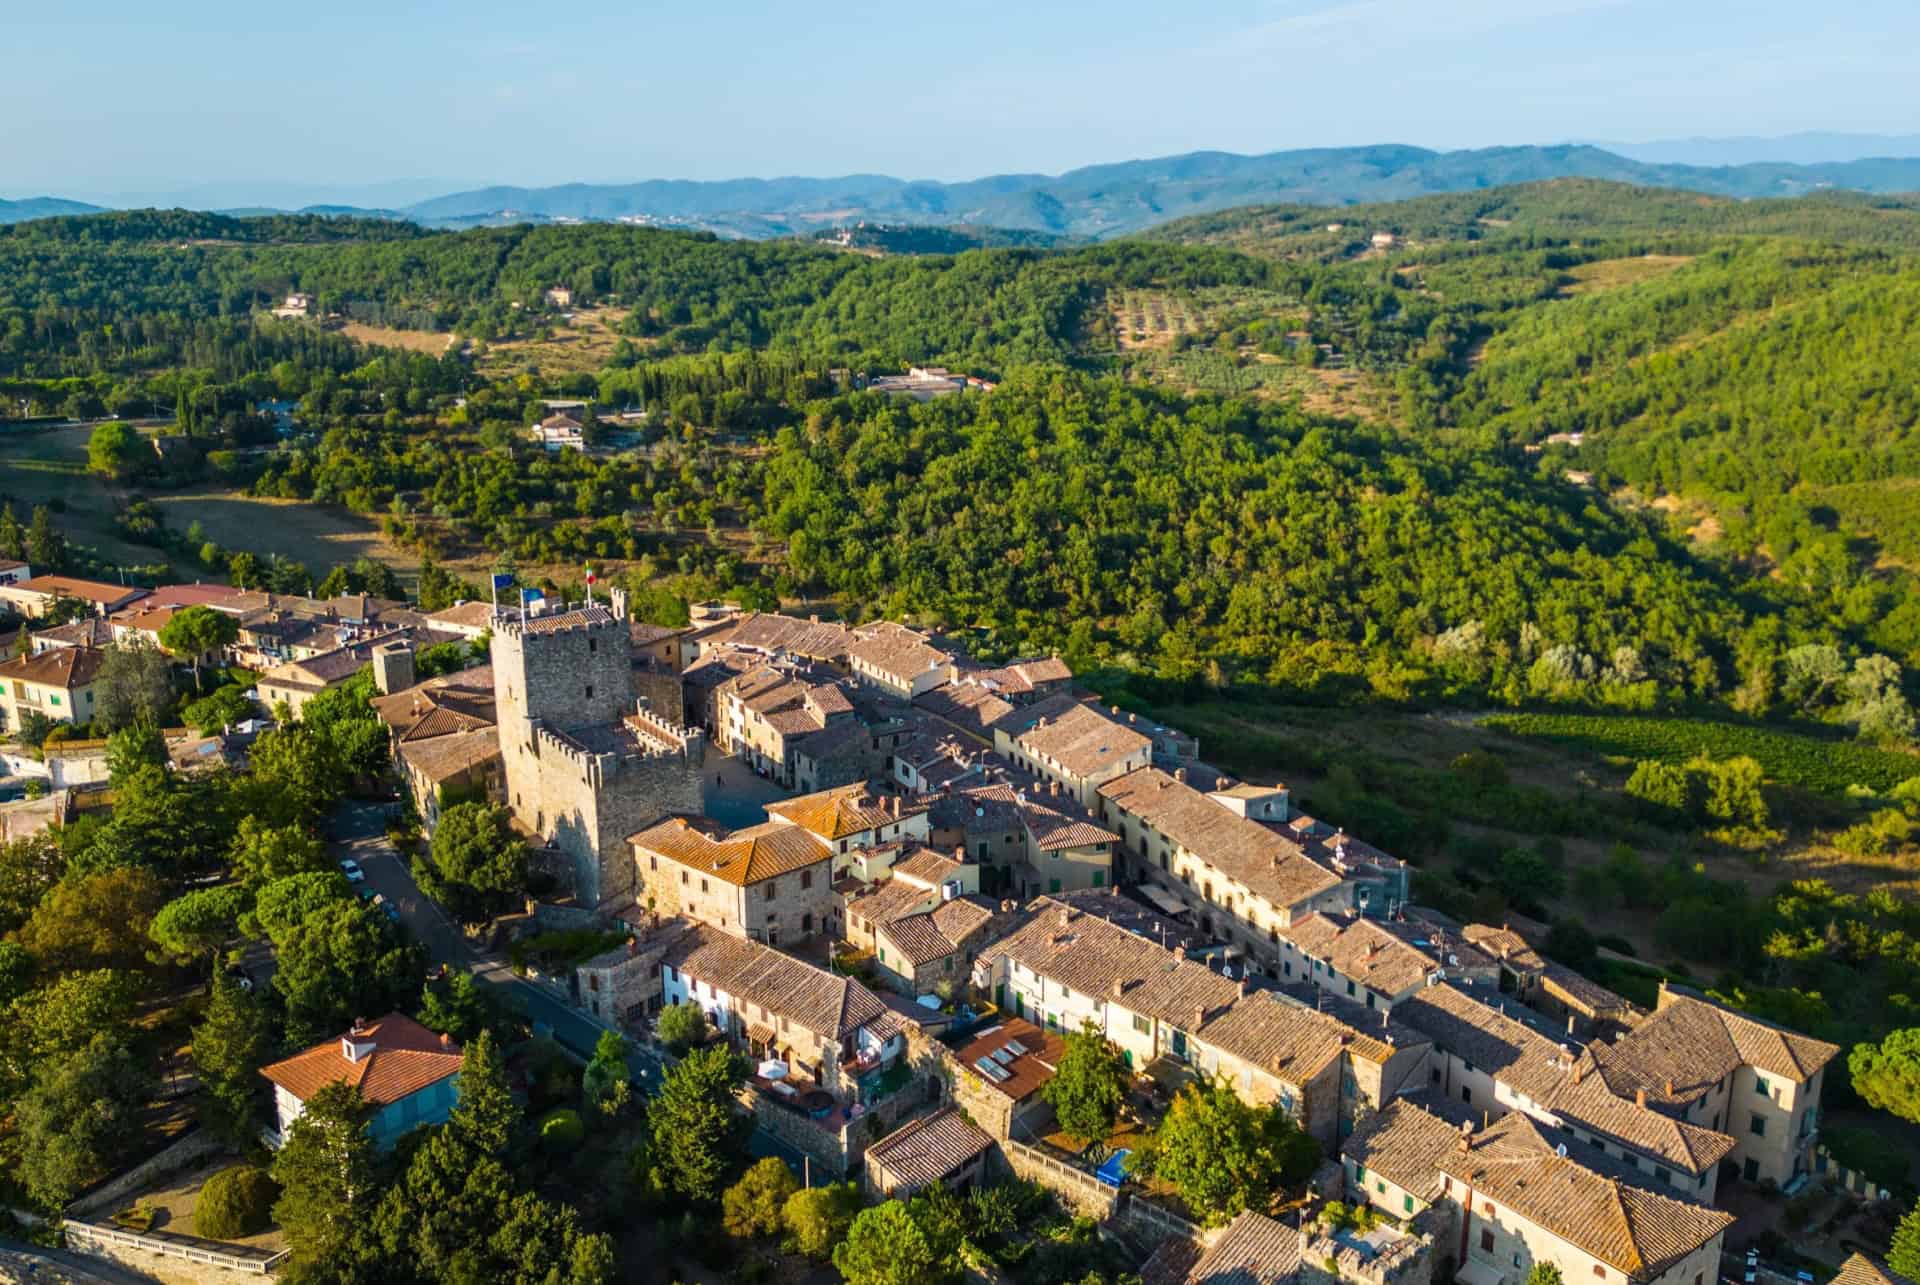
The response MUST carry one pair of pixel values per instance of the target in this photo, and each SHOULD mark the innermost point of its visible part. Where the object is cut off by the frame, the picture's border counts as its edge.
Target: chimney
(1246, 985)
(446, 1040)
(894, 806)
(1199, 1016)
(1466, 1137)
(1180, 775)
(1639, 1097)
(1579, 1072)
(1669, 1086)
(1119, 988)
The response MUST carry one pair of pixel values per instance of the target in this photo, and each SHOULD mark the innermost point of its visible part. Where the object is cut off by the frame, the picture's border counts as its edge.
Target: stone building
(585, 768)
(771, 882)
(1068, 740)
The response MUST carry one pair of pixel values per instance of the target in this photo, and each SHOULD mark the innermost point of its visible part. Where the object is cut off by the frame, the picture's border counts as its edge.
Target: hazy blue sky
(113, 96)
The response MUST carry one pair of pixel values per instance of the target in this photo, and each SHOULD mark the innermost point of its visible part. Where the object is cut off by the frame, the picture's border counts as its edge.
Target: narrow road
(359, 831)
(23, 1262)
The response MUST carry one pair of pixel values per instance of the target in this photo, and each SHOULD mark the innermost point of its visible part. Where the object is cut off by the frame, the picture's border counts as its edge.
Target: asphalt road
(359, 831)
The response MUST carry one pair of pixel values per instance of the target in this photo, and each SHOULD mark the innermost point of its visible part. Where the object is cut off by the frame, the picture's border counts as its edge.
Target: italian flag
(591, 578)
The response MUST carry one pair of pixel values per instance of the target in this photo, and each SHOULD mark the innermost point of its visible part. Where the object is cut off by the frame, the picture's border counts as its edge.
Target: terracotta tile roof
(1364, 951)
(925, 1151)
(1861, 1270)
(142, 618)
(1074, 734)
(917, 939)
(829, 1006)
(815, 640)
(1026, 1071)
(1507, 946)
(1269, 865)
(899, 653)
(442, 758)
(64, 667)
(1052, 821)
(1554, 1079)
(1377, 1034)
(459, 702)
(94, 591)
(1638, 1232)
(1096, 958)
(848, 737)
(928, 867)
(1692, 1044)
(327, 668)
(842, 811)
(574, 618)
(187, 595)
(406, 1057)
(1253, 1249)
(972, 709)
(1277, 1037)
(470, 615)
(741, 857)
(1405, 1140)
(93, 631)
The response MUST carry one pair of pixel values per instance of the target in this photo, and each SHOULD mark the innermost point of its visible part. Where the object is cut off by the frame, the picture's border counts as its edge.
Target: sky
(383, 101)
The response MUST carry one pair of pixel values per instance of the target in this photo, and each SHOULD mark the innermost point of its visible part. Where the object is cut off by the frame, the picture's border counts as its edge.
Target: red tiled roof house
(408, 1076)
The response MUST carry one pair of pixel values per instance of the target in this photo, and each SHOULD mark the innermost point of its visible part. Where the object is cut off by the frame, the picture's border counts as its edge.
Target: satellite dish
(1561, 1151)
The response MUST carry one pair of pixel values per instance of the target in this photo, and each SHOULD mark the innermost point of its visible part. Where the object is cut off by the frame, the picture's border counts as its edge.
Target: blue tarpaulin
(1113, 1170)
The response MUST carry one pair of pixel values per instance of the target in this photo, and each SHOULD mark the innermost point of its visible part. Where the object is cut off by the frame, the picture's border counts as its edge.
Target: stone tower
(393, 667)
(584, 767)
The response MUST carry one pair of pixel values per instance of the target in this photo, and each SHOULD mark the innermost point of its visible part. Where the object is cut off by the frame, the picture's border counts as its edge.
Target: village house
(560, 432)
(763, 715)
(407, 1076)
(1019, 682)
(56, 683)
(1243, 881)
(771, 882)
(1253, 1249)
(294, 305)
(997, 1076)
(446, 742)
(1031, 837)
(900, 661)
(942, 1149)
(35, 596)
(298, 681)
(923, 923)
(13, 571)
(776, 637)
(467, 619)
(88, 631)
(1072, 742)
(1549, 987)
(848, 819)
(1491, 1055)
(970, 710)
(1517, 1198)
(1709, 1066)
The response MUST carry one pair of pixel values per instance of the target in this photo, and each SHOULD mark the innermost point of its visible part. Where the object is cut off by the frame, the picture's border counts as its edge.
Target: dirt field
(431, 342)
(318, 535)
(584, 345)
(1612, 274)
(41, 466)
(1151, 318)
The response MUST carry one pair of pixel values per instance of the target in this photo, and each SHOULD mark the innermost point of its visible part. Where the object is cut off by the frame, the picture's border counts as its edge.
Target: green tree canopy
(1089, 1085)
(884, 1246)
(230, 1045)
(81, 1114)
(1887, 1074)
(755, 1205)
(477, 863)
(195, 925)
(697, 1132)
(195, 633)
(117, 451)
(1226, 1156)
(326, 1174)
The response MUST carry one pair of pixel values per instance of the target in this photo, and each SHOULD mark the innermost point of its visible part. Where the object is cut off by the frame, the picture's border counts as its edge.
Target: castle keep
(585, 765)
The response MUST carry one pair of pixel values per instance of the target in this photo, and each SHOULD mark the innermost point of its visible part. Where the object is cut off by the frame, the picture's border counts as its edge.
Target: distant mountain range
(43, 207)
(1103, 200)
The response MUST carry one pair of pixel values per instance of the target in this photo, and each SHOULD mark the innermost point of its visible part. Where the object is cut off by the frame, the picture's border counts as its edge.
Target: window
(1406, 1204)
(589, 691)
(593, 645)
(703, 885)
(653, 863)
(1141, 1024)
(683, 878)
(806, 923)
(1466, 1095)
(1761, 1086)
(806, 881)
(1758, 1126)
(1099, 878)
(593, 981)
(1662, 1175)
(1380, 1186)
(1486, 1240)
(773, 890)
(1360, 1174)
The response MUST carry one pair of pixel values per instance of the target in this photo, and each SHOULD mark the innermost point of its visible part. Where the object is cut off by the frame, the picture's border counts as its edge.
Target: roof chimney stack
(1639, 1097)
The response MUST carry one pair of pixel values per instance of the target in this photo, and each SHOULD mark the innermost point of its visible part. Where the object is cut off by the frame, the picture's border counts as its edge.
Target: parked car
(351, 869)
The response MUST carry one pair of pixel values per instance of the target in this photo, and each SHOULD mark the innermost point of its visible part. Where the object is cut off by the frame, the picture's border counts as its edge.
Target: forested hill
(1303, 470)
(1560, 209)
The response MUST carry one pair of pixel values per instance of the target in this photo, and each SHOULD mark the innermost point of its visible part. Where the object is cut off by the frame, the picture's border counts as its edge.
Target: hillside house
(772, 882)
(406, 1074)
(1070, 741)
(56, 683)
(34, 596)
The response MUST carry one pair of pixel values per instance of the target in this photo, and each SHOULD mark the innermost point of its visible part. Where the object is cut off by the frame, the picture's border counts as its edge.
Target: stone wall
(1079, 1190)
(182, 1154)
(659, 689)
